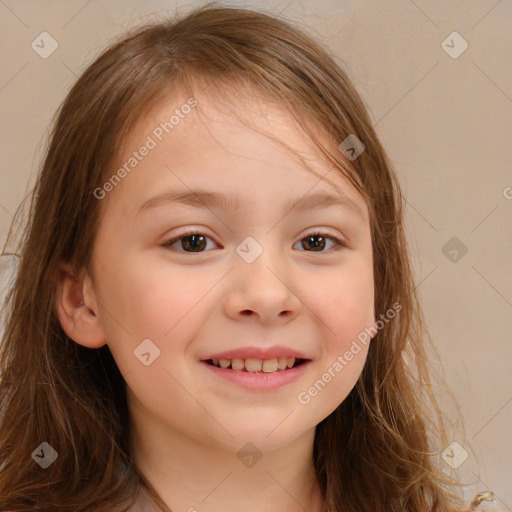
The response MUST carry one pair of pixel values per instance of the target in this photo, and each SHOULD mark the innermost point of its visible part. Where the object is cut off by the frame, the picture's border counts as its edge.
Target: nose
(262, 291)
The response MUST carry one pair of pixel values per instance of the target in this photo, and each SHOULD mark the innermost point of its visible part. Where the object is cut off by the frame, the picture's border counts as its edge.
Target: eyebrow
(215, 200)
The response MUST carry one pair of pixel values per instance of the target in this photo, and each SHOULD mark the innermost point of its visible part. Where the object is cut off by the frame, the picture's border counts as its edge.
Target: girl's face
(244, 270)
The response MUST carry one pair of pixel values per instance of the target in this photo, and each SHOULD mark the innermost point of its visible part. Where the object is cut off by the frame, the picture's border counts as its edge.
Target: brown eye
(189, 242)
(316, 242)
(194, 243)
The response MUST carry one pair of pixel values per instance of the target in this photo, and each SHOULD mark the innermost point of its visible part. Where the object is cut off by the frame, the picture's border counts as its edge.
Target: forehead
(223, 131)
(225, 106)
(229, 111)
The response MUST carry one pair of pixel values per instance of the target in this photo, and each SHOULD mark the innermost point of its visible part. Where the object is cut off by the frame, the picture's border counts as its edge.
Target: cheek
(157, 305)
(348, 314)
(145, 301)
(347, 309)
(349, 301)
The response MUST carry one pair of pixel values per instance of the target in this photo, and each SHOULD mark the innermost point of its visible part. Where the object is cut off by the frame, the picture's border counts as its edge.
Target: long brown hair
(374, 452)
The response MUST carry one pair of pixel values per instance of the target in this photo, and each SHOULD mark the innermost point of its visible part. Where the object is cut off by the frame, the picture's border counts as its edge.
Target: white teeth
(253, 365)
(238, 364)
(270, 365)
(256, 365)
(282, 362)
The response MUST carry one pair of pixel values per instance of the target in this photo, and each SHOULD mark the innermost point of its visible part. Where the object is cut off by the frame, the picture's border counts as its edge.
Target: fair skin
(187, 423)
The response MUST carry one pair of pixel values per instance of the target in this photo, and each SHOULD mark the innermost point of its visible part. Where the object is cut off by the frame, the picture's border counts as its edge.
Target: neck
(191, 475)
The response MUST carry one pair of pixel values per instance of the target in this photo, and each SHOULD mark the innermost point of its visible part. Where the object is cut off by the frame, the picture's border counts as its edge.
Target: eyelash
(338, 244)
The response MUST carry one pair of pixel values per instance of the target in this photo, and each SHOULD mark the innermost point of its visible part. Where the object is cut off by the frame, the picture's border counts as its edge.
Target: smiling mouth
(277, 364)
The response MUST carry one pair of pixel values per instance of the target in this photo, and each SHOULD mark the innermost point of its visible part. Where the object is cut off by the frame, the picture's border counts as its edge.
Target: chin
(264, 435)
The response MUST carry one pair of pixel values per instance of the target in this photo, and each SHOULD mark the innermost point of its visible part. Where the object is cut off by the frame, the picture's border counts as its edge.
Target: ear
(76, 308)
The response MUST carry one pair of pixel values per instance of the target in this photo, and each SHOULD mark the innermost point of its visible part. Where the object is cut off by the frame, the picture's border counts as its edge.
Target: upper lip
(257, 353)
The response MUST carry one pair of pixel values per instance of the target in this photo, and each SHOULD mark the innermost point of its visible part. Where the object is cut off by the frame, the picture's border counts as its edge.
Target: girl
(214, 306)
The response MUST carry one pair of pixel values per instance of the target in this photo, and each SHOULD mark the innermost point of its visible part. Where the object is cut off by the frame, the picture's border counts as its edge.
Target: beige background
(445, 121)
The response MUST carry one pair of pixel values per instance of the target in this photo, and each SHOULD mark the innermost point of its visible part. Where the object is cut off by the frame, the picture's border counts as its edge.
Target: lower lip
(261, 380)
